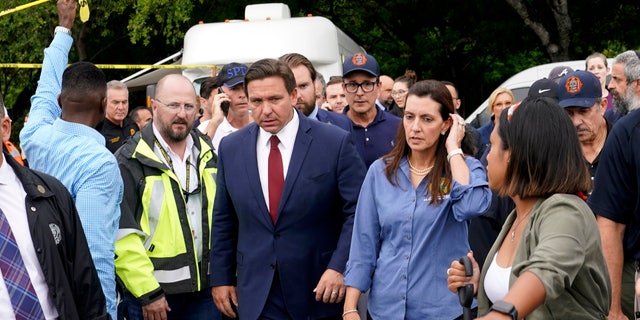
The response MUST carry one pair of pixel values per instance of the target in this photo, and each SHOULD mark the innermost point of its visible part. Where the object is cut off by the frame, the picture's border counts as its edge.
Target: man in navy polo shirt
(580, 94)
(373, 130)
(615, 199)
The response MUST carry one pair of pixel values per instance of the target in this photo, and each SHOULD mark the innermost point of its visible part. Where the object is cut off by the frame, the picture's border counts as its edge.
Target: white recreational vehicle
(267, 31)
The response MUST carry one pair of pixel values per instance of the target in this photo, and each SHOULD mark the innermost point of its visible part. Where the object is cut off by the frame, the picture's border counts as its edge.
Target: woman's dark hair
(546, 157)
(440, 175)
(410, 77)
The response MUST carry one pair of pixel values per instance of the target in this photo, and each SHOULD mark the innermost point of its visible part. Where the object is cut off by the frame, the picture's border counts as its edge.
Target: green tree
(475, 44)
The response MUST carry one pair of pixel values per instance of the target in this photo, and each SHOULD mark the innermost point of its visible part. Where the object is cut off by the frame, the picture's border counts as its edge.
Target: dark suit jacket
(313, 228)
(336, 119)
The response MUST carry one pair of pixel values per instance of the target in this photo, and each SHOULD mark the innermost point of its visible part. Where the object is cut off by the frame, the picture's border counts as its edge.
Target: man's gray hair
(115, 84)
(631, 63)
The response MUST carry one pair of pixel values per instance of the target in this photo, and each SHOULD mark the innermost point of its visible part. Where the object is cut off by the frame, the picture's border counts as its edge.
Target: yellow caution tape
(22, 7)
(115, 66)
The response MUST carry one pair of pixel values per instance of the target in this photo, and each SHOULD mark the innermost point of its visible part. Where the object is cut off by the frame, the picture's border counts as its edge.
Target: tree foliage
(475, 44)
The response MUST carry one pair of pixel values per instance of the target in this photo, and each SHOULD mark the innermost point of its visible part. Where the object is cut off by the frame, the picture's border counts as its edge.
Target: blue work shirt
(402, 244)
(378, 138)
(76, 155)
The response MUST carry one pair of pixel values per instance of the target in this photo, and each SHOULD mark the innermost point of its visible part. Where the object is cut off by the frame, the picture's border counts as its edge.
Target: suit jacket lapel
(253, 176)
(300, 149)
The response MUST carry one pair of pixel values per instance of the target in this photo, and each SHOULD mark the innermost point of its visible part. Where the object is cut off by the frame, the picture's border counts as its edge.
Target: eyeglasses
(176, 107)
(398, 93)
(367, 86)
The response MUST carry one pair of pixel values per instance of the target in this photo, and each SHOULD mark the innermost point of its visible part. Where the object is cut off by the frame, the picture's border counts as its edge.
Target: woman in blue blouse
(411, 216)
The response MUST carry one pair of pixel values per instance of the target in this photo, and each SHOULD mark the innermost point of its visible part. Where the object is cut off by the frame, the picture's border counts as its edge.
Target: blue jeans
(187, 306)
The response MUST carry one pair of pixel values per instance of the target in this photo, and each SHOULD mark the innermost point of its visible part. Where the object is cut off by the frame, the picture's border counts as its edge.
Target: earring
(442, 133)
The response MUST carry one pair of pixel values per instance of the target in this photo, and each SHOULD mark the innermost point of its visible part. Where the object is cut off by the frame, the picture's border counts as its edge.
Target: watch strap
(62, 29)
(505, 308)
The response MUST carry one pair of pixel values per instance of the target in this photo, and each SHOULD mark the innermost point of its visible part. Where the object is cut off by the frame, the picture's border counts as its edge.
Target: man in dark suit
(305, 75)
(287, 188)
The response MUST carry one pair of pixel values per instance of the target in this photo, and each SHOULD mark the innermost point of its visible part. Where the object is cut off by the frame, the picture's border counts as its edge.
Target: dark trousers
(185, 306)
(275, 308)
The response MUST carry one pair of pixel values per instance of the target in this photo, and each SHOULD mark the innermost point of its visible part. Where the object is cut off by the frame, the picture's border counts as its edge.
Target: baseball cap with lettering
(232, 74)
(543, 88)
(579, 89)
(361, 62)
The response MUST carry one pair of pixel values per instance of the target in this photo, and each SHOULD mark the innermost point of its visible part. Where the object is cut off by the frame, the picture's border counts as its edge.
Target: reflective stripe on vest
(166, 240)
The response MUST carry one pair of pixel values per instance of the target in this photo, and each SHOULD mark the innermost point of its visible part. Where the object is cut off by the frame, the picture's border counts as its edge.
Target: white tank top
(496, 282)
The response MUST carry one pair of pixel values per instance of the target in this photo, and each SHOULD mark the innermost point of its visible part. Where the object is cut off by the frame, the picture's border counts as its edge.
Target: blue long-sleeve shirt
(403, 244)
(77, 156)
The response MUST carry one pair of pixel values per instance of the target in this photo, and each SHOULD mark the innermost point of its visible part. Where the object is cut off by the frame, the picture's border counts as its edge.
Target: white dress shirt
(224, 129)
(287, 136)
(180, 165)
(12, 197)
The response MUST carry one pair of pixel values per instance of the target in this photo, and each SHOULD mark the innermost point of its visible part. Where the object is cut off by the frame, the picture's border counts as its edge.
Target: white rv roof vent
(267, 11)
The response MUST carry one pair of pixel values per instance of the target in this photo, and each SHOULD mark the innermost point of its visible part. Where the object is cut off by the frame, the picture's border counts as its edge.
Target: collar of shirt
(190, 153)
(380, 116)
(314, 114)
(225, 127)
(287, 134)
(77, 129)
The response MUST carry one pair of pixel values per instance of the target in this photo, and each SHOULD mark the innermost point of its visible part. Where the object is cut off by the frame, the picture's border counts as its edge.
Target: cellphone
(225, 104)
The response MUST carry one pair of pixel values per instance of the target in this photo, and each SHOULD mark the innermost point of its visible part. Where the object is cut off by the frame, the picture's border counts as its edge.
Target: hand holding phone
(224, 105)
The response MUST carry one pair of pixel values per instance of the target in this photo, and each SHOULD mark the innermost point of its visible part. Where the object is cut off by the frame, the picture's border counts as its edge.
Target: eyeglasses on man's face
(176, 107)
(367, 86)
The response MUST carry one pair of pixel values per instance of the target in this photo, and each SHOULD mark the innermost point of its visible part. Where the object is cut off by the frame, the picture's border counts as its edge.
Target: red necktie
(276, 178)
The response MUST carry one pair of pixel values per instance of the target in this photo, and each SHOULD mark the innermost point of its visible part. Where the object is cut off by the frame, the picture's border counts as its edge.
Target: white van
(519, 84)
(267, 31)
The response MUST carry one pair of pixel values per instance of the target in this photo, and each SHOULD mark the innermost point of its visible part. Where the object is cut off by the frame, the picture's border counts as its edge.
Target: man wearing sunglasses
(372, 129)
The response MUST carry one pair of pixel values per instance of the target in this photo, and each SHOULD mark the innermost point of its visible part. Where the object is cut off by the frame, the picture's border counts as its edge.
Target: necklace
(420, 172)
(517, 222)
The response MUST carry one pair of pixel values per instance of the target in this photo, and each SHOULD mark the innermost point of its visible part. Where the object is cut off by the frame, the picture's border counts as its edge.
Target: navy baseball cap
(579, 89)
(544, 88)
(232, 74)
(361, 62)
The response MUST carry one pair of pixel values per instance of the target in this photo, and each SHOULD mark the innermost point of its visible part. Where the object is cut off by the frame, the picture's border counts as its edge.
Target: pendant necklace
(517, 222)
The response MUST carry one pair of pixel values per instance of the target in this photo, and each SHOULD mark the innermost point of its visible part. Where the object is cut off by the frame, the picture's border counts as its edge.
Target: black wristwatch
(505, 308)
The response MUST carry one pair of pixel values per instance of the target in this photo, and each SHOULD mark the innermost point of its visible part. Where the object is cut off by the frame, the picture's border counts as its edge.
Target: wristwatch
(63, 30)
(505, 308)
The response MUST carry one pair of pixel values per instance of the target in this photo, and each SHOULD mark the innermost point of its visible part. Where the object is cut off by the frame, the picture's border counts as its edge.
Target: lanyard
(170, 162)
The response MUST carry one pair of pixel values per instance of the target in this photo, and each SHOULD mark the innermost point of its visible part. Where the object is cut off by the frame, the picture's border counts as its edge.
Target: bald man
(164, 263)
(385, 101)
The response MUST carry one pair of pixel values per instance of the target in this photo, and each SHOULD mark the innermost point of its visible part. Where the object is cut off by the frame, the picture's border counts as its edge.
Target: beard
(306, 107)
(623, 104)
(174, 135)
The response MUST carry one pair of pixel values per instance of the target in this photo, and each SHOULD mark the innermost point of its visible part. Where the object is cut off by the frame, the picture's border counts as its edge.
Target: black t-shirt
(615, 195)
(115, 135)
